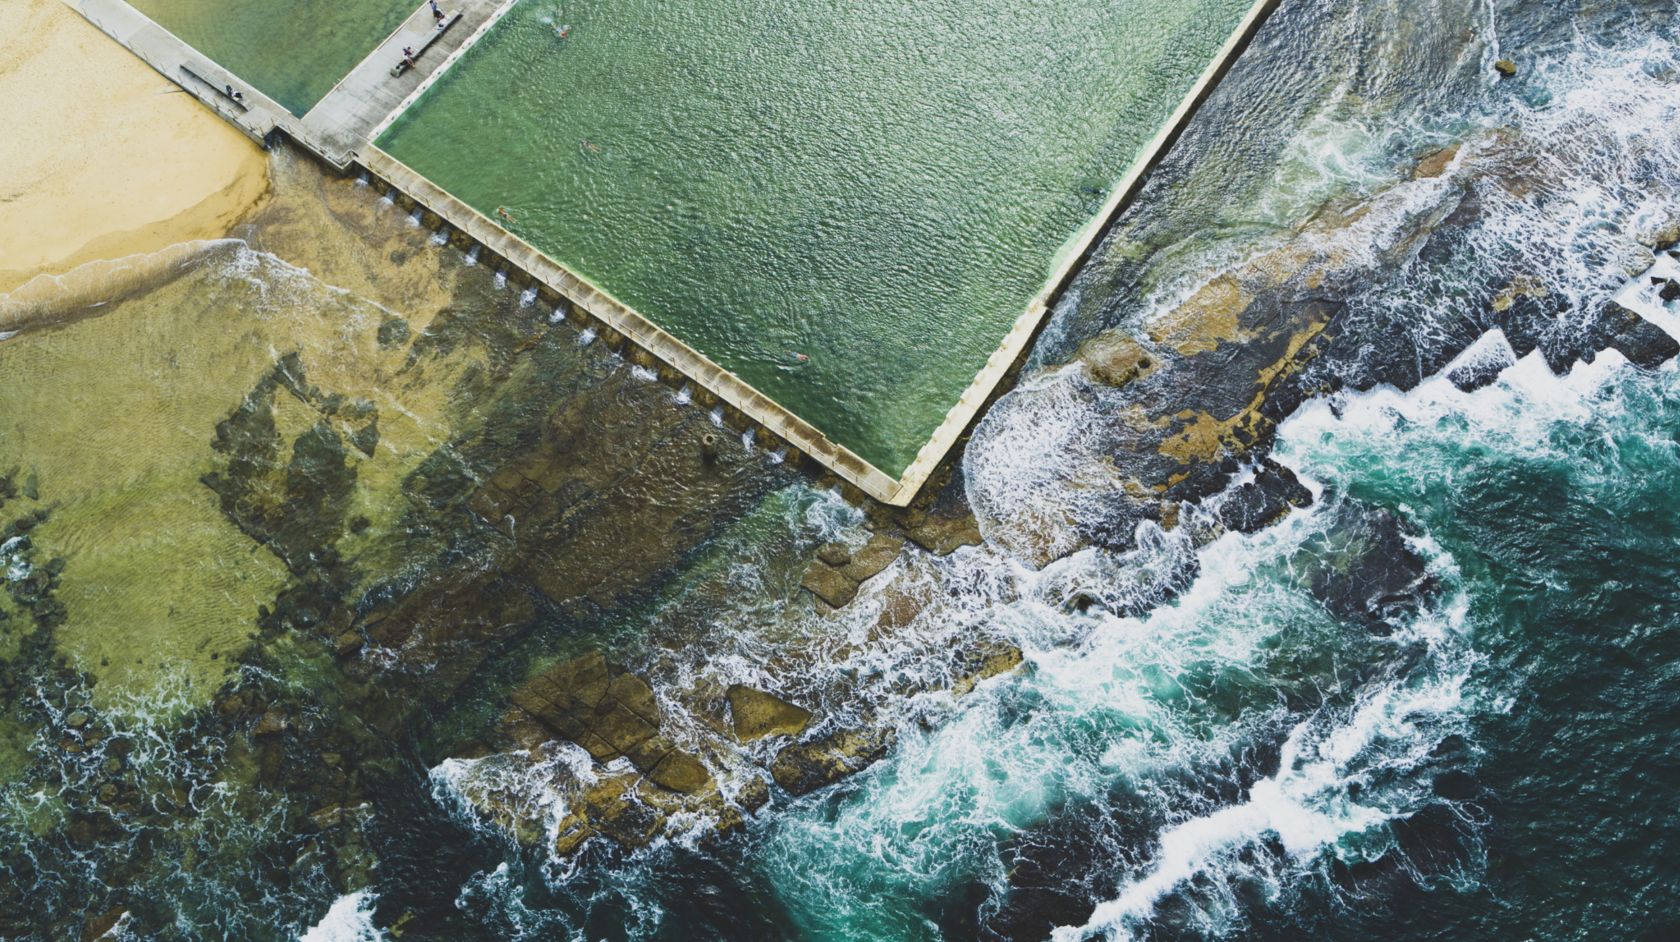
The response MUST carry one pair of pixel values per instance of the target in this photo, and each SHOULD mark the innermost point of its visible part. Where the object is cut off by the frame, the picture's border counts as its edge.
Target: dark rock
(1264, 500)
(1670, 291)
(753, 795)
(1642, 342)
(1482, 363)
(802, 768)
(393, 332)
(757, 714)
(366, 438)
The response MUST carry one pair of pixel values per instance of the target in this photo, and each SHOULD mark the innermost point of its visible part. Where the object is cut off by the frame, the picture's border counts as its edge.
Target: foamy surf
(349, 919)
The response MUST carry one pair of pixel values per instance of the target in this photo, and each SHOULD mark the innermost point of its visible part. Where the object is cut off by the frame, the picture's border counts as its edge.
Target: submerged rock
(1363, 569)
(756, 714)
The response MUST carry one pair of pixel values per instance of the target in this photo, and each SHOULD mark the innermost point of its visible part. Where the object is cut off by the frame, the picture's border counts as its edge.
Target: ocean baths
(844, 224)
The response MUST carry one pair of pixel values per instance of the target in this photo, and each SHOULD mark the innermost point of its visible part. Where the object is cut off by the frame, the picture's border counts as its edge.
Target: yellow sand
(100, 156)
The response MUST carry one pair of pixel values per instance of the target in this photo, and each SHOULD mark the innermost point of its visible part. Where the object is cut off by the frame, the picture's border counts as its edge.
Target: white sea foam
(349, 919)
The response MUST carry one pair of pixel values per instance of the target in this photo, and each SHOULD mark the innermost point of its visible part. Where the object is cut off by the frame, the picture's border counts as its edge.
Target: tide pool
(847, 206)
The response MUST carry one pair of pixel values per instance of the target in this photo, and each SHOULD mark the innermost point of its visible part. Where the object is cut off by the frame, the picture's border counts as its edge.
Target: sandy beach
(105, 158)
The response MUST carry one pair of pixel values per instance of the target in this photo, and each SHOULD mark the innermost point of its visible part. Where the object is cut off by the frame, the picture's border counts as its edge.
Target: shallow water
(879, 186)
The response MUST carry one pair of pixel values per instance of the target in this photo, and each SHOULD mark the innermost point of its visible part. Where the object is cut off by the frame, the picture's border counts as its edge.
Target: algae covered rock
(757, 714)
(611, 713)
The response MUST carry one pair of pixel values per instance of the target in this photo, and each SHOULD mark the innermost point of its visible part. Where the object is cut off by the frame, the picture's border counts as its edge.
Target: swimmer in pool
(502, 212)
(797, 357)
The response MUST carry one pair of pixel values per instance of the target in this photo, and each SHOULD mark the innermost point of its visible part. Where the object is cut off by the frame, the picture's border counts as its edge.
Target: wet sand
(112, 160)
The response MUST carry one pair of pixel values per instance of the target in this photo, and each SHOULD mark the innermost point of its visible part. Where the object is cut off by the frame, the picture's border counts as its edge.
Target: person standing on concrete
(437, 14)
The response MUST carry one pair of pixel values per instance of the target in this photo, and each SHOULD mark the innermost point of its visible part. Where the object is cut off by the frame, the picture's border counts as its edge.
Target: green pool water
(881, 186)
(294, 51)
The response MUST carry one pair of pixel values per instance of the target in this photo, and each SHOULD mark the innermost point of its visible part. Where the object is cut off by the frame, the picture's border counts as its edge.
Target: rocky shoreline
(542, 618)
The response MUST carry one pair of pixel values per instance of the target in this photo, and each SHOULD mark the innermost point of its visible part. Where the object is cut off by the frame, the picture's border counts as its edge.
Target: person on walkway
(437, 14)
(408, 56)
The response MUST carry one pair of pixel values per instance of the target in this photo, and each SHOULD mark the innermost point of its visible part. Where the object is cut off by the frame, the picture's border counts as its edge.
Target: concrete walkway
(364, 103)
(342, 123)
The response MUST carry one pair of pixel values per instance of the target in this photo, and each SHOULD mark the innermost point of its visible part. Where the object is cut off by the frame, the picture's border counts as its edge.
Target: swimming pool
(846, 205)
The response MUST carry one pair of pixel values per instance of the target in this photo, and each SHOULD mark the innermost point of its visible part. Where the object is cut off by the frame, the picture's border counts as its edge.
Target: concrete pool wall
(584, 302)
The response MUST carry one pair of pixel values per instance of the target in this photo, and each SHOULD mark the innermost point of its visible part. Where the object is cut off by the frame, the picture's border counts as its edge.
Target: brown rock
(635, 695)
(347, 644)
(875, 556)
(647, 756)
(273, 721)
(898, 609)
(943, 536)
(103, 925)
(1115, 359)
(1436, 163)
(1505, 67)
(805, 767)
(835, 554)
(620, 728)
(602, 708)
(681, 772)
(829, 584)
(989, 662)
(753, 795)
(757, 714)
(613, 809)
